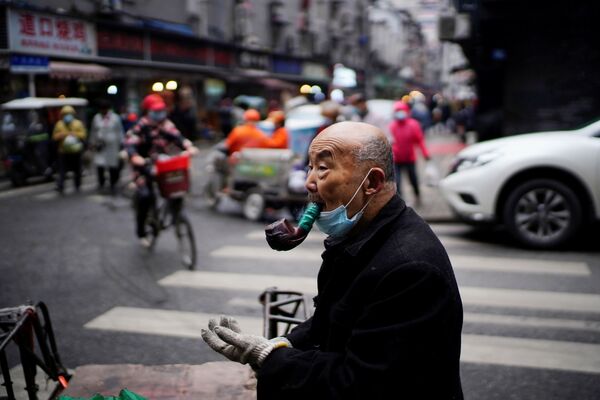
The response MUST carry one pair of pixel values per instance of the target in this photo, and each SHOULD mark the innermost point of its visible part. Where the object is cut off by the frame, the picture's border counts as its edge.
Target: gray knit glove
(226, 338)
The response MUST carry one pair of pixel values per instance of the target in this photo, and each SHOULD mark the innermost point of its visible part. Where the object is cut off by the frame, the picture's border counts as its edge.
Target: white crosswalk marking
(521, 265)
(531, 299)
(233, 281)
(534, 353)
(481, 349)
(531, 322)
(479, 318)
(510, 298)
(265, 253)
(459, 262)
(163, 322)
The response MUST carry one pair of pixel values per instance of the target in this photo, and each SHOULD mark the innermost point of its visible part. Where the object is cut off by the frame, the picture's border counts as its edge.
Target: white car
(542, 186)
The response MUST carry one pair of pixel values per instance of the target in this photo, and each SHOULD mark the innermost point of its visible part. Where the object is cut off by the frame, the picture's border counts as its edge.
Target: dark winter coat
(387, 323)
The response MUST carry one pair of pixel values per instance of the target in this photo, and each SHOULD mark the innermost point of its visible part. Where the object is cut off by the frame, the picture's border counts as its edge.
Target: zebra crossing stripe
(235, 281)
(531, 299)
(479, 349)
(519, 265)
(530, 322)
(251, 303)
(163, 322)
(479, 296)
(532, 353)
(459, 262)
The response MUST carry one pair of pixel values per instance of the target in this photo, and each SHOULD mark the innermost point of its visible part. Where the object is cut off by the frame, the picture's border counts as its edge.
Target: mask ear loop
(355, 193)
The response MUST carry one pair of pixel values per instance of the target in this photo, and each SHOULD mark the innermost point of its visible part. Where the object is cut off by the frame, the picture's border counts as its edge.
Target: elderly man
(388, 314)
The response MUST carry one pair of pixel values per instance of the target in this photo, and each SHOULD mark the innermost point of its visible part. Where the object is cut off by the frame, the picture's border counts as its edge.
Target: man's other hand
(226, 338)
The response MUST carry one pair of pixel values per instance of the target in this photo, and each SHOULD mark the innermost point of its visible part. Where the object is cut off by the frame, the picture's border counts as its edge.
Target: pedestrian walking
(70, 134)
(388, 316)
(106, 139)
(407, 134)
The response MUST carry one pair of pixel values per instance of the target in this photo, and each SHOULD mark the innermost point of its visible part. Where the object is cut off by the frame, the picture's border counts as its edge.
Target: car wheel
(542, 213)
(254, 206)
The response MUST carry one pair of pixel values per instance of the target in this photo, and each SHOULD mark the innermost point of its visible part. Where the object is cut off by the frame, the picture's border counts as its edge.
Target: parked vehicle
(543, 186)
(26, 146)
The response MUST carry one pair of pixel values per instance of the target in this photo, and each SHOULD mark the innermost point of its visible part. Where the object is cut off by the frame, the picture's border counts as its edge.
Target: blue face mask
(336, 223)
(157, 116)
(400, 115)
(68, 118)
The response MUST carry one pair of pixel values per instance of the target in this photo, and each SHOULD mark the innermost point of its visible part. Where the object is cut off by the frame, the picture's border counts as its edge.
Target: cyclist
(152, 135)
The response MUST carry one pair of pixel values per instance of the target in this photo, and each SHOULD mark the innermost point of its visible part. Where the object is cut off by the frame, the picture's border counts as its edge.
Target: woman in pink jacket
(407, 134)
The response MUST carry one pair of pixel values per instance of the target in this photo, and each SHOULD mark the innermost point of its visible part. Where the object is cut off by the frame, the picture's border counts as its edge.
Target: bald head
(367, 143)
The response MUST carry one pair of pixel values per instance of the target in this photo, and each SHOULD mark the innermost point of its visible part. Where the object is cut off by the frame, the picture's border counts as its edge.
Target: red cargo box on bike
(172, 175)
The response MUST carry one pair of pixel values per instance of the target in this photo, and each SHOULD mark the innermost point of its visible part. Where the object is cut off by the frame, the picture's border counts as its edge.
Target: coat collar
(352, 245)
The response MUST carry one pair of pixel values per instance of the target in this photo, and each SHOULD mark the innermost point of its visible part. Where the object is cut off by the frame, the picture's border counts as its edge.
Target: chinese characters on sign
(32, 32)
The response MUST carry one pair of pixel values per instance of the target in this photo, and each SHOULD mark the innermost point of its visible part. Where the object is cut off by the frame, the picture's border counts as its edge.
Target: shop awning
(71, 70)
(278, 84)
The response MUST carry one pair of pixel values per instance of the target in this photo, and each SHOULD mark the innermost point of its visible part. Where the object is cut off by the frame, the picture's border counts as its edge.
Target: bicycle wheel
(186, 243)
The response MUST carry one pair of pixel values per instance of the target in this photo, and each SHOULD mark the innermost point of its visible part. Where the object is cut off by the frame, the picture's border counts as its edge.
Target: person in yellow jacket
(69, 133)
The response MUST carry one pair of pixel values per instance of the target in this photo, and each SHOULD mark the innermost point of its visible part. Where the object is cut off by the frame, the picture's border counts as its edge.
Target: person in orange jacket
(247, 134)
(279, 139)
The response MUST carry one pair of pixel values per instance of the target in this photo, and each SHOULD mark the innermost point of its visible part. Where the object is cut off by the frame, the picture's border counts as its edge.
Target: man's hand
(192, 151)
(138, 160)
(226, 338)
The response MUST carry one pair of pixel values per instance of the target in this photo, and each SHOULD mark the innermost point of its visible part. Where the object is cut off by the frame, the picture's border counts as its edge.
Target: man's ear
(375, 182)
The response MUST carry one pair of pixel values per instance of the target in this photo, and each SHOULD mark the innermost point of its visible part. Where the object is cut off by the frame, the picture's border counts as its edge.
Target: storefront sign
(178, 52)
(312, 70)
(253, 60)
(31, 32)
(286, 66)
(222, 58)
(120, 44)
(28, 64)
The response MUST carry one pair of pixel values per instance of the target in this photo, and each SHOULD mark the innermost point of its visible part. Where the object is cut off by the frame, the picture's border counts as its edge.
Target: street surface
(532, 319)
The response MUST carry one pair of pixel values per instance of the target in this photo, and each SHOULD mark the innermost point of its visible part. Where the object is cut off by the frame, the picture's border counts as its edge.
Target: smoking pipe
(282, 235)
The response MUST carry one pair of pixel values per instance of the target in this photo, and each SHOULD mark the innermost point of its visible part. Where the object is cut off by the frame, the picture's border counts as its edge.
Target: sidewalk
(209, 381)
(433, 208)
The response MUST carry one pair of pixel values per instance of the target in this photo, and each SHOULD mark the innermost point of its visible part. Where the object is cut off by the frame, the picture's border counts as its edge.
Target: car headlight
(464, 163)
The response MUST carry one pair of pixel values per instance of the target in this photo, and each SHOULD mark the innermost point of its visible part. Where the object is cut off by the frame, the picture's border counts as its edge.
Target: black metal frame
(24, 325)
(273, 301)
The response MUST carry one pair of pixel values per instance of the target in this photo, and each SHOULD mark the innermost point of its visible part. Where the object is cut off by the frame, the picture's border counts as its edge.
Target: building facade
(535, 62)
(217, 47)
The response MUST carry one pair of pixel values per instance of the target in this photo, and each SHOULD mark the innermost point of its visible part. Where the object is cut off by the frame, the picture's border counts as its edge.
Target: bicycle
(168, 210)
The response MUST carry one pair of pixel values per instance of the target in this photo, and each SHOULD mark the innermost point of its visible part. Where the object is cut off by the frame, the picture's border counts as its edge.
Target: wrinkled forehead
(331, 147)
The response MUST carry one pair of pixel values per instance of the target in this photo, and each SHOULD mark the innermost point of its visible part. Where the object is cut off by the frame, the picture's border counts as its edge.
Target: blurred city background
(518, 214)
